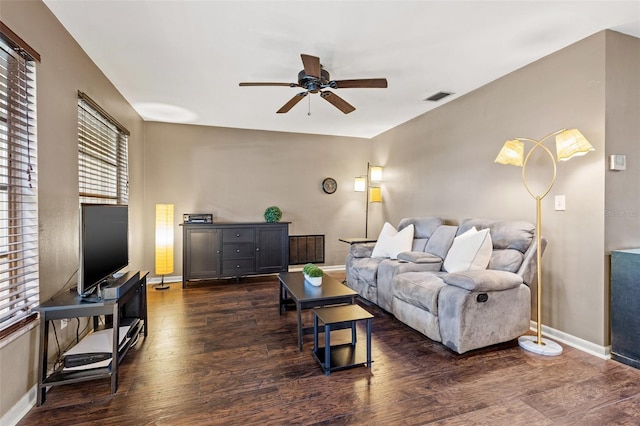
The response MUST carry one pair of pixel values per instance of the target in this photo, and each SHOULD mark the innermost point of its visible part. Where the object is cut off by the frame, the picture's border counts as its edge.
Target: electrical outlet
(560, 203)
(63, 323)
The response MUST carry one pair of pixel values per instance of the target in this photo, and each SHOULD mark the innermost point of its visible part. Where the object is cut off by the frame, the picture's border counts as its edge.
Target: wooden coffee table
(294, 291)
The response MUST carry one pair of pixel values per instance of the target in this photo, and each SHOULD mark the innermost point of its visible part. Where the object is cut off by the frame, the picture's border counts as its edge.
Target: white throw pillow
(391, 242)
(469, 251)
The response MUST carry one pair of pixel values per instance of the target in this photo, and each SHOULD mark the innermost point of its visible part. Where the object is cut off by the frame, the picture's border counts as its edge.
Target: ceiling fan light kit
(315, 79)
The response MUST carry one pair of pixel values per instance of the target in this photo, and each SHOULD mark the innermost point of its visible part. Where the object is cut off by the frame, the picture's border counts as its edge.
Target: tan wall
(236, 174)
(442, 163)
(63, 71)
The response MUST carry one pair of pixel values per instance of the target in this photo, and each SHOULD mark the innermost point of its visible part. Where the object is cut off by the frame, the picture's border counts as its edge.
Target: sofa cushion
(361, 249)
(469, 251)
(419, 289)
(510, 239)
(423, 227)
(391, 242)
(441, 240)
(506, 260)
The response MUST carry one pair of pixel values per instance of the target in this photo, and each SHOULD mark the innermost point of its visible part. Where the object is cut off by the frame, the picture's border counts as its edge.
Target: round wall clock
(329, 185)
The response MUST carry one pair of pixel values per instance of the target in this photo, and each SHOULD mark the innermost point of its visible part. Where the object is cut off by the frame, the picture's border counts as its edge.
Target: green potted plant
(312, 274)
(273, 214)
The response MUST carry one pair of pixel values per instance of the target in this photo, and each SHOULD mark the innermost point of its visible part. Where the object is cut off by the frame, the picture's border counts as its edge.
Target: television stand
(129, 305)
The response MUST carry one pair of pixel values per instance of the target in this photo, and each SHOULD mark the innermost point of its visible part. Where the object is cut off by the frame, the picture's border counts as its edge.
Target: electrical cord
(66, 284)
(55, 333)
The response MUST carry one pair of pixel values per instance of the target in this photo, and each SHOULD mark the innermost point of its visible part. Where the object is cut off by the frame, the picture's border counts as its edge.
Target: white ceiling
(182, 60)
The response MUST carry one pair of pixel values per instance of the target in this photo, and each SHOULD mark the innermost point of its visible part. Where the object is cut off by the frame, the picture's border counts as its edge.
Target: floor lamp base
(162, 285)
(548, 347)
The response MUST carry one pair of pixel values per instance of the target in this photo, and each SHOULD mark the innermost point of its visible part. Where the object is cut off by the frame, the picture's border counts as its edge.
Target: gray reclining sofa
(464, 310)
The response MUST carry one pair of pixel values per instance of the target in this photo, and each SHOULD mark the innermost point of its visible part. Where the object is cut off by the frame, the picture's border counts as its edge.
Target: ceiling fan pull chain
(309, 113)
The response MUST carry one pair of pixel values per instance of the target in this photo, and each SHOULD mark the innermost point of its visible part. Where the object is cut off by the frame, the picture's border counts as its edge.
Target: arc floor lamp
(569, 144)
(374, 193)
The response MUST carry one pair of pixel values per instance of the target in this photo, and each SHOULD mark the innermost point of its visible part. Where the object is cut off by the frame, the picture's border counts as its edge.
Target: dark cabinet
(625, 299)
(218, 250)
(201, 252)
(272, 249)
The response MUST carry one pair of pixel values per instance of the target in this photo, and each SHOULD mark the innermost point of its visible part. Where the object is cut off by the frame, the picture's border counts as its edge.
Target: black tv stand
(130, 307)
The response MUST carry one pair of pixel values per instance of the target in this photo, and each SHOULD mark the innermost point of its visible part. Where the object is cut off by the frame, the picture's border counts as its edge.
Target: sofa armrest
(419, 257)
(361, 250)
(483, 280)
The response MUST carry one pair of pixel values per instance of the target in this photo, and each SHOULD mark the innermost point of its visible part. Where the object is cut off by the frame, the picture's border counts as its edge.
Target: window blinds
(102, 155)
(19, 279)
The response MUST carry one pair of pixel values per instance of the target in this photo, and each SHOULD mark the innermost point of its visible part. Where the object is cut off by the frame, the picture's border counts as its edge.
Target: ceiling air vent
(437, 96)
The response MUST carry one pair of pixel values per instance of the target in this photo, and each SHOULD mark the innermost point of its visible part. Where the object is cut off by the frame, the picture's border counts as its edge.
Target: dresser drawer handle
(238, 251)
(238, 235)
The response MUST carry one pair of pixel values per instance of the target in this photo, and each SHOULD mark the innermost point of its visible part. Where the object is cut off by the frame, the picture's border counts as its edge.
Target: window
(19, 279)
(102, 155)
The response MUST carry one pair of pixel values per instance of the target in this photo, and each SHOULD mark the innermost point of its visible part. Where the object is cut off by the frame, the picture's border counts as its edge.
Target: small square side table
(346, 355)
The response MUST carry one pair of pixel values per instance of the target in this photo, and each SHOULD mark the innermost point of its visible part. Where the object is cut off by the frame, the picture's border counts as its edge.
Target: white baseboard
(21, 408)
(602, 352)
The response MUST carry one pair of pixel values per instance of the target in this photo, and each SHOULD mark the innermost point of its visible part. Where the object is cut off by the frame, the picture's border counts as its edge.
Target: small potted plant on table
(312, 274)
(273, 214)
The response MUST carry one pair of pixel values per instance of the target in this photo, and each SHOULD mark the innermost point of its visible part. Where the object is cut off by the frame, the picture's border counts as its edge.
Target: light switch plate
(560, 203)
(617, 162)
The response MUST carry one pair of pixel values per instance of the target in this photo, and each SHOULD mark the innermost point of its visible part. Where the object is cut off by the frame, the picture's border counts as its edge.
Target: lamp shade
(512, 153)
(571, 143)
(375, 194)
(360, 184)
(376, 173)
(164, 239)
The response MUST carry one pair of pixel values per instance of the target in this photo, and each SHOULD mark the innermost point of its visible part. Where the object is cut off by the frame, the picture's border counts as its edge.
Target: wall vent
(306, 249)
(437, 96)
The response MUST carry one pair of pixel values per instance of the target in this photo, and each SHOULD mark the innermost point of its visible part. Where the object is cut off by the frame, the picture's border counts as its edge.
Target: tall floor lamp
(164, 242)
(569, 144)
(374, 193)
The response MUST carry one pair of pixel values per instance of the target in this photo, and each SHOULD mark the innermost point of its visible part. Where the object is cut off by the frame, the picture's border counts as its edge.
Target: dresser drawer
(233, 235)
(238, 267)
(238, 251)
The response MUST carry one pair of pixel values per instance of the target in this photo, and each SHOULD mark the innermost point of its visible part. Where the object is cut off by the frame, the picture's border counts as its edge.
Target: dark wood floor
(219, 353)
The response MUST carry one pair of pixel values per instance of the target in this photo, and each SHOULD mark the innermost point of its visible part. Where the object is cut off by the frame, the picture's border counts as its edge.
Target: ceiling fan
(315, 79)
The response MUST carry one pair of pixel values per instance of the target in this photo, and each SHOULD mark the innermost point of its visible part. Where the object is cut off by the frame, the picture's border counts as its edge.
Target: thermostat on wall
(617, 162)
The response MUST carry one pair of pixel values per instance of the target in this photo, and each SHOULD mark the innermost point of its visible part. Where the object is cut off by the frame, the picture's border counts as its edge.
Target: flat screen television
(104, 244)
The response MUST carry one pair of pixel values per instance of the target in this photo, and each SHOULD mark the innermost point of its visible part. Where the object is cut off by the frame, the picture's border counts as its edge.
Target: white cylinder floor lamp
(164, 242)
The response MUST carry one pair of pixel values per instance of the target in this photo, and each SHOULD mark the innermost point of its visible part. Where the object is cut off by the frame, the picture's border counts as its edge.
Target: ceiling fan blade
(311, 65)
(337, 102)
(292, 102)
(364, 83)
(268, 84)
